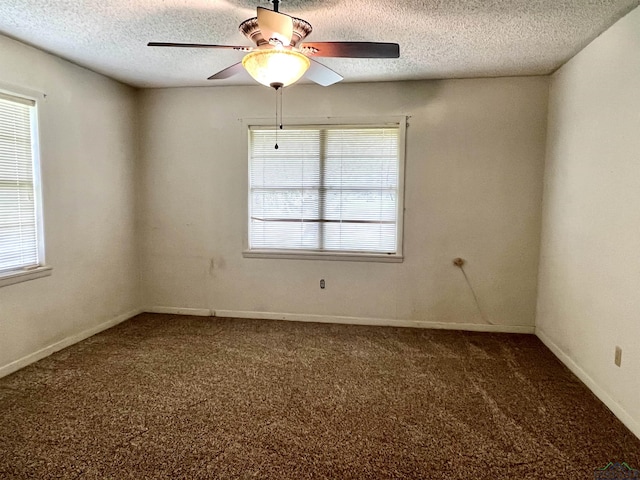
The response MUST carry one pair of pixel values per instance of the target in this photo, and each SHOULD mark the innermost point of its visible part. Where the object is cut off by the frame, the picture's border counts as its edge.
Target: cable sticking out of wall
(459, 262)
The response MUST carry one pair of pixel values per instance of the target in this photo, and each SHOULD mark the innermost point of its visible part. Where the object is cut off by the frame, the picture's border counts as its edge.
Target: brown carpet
(165, 396)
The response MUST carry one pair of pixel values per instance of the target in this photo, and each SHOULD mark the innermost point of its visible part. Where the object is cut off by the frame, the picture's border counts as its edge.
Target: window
(327, 191)
(21, 254)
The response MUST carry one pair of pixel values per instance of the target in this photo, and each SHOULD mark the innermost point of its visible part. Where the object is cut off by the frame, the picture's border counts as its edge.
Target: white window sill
(17, 276)
(340, 256)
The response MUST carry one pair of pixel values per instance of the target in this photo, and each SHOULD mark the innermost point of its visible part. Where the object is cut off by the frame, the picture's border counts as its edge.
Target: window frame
(376, 121)
(23, 274)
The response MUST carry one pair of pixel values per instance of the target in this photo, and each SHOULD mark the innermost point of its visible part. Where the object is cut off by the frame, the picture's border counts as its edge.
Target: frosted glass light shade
(276, 66)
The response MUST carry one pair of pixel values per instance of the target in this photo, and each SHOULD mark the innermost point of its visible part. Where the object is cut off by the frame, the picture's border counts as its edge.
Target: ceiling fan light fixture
(276, 66)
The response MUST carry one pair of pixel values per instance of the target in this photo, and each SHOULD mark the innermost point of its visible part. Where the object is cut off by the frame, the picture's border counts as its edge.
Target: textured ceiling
(438, 38)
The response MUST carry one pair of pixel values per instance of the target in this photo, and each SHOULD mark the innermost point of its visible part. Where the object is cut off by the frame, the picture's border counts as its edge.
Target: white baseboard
(198, 312)
(297, 317)
(614, 406)
(45, 352)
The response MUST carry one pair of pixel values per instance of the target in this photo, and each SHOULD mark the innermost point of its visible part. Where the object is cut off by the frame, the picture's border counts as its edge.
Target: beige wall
(88, 149)
(474, 167)
(589, 299)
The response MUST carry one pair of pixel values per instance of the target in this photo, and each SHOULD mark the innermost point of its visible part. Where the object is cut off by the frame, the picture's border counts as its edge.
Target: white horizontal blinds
(360, 189)
(18, 229)
(325, 189)
(284, 189)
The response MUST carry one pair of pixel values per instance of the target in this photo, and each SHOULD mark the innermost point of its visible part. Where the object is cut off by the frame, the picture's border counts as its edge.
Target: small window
(21, 250)
(326, 191)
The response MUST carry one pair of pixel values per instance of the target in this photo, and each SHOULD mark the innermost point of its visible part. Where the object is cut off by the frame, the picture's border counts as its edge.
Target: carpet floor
(175, 397)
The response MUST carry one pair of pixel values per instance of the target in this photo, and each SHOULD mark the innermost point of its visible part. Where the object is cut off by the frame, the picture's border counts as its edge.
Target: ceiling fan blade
(228, 72)
(275, 25)
(321, 74)
(197, 45)
(352, 49)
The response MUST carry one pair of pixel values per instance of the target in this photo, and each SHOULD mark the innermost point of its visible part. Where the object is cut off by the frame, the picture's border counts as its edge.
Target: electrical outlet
(322, 283)
(618, 358)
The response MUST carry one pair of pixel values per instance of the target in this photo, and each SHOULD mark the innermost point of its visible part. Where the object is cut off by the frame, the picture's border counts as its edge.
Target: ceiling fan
(280, 58)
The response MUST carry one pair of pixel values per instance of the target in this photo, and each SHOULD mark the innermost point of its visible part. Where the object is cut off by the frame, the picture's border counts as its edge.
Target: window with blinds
(19, 247)
(333, 189)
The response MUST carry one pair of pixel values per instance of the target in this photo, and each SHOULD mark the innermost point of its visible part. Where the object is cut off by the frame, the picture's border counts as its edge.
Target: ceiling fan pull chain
(278, 86)
(281, 90)
(276, 92)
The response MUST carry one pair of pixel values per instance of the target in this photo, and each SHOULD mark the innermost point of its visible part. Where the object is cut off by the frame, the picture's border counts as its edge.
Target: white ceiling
(438, 38)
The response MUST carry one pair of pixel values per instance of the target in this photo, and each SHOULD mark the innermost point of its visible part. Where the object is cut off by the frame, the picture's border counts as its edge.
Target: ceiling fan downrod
(276, 3)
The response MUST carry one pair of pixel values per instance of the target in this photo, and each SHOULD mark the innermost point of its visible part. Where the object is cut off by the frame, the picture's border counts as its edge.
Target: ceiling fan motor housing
(250, 29)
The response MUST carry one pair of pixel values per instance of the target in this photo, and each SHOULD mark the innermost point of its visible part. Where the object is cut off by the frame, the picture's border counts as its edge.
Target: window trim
(23, 274)
(379, 121)
(17, 276)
